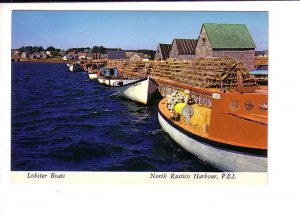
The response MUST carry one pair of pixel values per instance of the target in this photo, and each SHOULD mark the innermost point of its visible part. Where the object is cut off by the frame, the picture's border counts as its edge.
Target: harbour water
(62, 121)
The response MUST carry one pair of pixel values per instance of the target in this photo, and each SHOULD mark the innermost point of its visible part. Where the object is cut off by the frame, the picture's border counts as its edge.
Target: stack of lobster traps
(160, 69)
(134, 69)
(205, 73)
(223, 73)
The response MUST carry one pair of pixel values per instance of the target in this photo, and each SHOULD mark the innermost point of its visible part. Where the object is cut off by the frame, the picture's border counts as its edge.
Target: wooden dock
(179, 75)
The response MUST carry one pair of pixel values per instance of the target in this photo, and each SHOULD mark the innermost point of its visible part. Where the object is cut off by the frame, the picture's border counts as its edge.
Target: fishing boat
(92, 75)
(100, 80)
(75, 67)
(223, 120)
(92, 70)
(139, 90)
(108, 76)
(230, 134)
(111, 80)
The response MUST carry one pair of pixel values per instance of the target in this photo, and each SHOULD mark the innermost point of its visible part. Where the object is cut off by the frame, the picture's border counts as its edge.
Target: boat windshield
(109, 72)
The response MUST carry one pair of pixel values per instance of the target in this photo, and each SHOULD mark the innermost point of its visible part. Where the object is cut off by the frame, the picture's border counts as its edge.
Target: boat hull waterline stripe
(221, 159)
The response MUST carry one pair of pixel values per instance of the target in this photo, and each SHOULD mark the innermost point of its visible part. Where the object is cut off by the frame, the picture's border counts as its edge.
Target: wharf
(202, 77)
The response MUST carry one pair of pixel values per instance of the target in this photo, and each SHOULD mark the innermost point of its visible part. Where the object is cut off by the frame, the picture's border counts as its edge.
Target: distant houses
(43, 55)
(214, 40)
(80, 53)
(15, 53)
(85, 54)
(35, 56)
(71, 55)
(25, 55)
(96, 56)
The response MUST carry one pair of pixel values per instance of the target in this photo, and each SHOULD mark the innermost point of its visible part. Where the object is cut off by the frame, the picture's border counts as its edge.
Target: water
(62, 121)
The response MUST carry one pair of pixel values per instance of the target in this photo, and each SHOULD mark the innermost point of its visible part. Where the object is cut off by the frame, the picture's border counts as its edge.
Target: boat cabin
(105, 72)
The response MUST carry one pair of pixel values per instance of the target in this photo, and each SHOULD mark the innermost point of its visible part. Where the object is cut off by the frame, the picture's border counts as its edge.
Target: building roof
(129, 53)
(165, 50)
(234, 36)
(186, 46)
(115, 54)
(259, 53)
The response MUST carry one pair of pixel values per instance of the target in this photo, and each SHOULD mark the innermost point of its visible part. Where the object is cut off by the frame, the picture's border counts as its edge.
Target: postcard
(105, 94)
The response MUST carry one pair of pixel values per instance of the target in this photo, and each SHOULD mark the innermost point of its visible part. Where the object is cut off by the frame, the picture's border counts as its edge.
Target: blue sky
(124, 29)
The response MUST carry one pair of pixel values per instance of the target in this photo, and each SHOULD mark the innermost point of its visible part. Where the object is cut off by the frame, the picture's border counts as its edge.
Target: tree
(40, 48)
(50, 48)
(96, 49)
(55, 53)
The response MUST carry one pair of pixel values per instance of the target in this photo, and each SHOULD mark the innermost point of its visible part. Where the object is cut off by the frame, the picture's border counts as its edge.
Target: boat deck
(226, 139)
(163, 108)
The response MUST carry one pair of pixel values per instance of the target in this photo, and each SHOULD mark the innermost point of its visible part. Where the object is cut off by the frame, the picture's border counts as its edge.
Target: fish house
(183, 49)
(226, 40)
(133, 56)
(116, 55)
(163, 51)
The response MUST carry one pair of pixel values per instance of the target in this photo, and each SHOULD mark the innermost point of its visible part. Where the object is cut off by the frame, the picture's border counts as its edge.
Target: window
(234, 105)
(203, 41)
(249, 105)
(263, 106)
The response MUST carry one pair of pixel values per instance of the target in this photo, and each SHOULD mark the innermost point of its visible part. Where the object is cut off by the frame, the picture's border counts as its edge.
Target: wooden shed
(183, 49)
(116, 55)
(133, 56)
(222, 40)
(163, 51)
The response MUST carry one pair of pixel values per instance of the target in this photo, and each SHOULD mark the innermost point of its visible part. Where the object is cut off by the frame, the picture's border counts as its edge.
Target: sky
(124, 29)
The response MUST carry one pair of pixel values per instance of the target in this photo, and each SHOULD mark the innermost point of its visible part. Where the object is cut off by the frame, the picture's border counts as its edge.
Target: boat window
(234, 105)
(112, 71)
(249, 105)
(263, 106)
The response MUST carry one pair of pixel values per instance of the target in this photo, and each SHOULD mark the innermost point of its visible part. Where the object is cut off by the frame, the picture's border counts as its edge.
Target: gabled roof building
(183, 49)
(133, 56)
(116, 54)
(163, 51)
(226, 40)
(25, 55)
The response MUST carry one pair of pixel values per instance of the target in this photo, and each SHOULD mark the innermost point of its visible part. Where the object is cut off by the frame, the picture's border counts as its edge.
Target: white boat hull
(100, 80)
(140, 90)
(70, 67)
(75, 67)
(222, 159)
(111, 82)
(93, 76)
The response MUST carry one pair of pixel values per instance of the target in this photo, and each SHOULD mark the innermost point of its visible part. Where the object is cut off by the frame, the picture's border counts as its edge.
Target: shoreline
(54, 60)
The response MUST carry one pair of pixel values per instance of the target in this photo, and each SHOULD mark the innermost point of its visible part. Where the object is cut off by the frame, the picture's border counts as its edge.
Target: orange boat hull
(236, 138)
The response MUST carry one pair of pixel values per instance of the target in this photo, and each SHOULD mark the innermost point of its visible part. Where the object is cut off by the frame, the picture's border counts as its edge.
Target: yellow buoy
(201, 117)
(179, 106)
